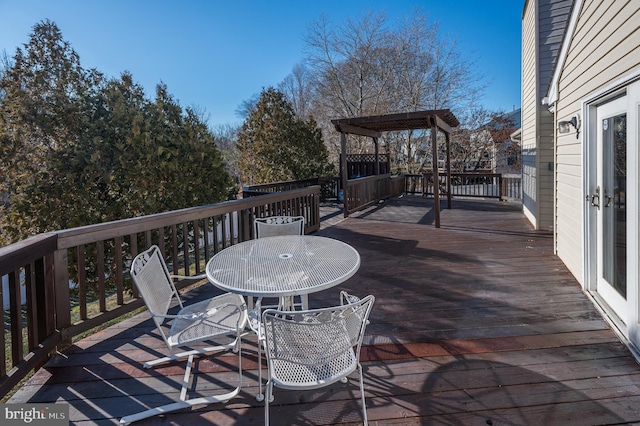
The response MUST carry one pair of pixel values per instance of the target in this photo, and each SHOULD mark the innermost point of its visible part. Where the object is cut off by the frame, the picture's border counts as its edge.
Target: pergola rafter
(373, 126)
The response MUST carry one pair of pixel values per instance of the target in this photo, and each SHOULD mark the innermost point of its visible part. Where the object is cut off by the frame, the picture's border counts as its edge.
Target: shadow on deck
(476, 322)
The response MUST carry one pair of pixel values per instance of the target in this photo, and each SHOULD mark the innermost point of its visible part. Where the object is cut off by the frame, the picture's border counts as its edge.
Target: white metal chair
(273, 226)
(222, 316)
(314, 348)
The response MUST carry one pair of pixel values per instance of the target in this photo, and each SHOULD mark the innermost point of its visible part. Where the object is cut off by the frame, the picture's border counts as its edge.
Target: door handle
(609, 199)
(595, 198)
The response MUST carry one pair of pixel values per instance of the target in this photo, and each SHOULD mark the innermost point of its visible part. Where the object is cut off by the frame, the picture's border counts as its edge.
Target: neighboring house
(506, 150)
(493, 149)
(507, 157)
(581, 153)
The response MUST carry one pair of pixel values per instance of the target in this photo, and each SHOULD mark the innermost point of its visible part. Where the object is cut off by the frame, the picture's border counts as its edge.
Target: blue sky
(214, 54)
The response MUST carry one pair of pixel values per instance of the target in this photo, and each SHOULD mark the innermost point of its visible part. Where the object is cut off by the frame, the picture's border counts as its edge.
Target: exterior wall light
(565, 126)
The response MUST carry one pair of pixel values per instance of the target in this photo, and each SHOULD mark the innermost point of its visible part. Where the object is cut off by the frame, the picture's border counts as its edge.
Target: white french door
(610, 199)
(612, 212)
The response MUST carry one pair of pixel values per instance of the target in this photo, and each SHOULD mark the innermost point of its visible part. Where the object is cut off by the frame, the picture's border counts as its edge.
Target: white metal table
(283, 266)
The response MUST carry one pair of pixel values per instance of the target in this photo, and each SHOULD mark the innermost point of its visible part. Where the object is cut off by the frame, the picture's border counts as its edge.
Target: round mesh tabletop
(283, 266)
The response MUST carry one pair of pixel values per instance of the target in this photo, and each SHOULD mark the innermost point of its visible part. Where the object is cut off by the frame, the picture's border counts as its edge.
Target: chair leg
(268, 398)
(288, 303)
(179, 405)
(185, 379)
(260, 395)
(203, 351)
(255, 323)
(364, 406)
(184, 402)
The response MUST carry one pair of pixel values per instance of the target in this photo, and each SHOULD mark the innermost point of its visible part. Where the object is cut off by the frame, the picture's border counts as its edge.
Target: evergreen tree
(45, 124)
(275, 145)
(77, 149)
(177, 163)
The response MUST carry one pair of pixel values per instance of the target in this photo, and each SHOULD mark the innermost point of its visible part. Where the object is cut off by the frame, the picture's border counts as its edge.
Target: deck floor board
(474, 323)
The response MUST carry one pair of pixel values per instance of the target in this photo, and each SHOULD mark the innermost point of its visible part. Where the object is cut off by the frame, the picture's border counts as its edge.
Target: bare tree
(226, 137)
(246, 106)
(5, 62)
(368, 67)
(352, 69)
(298, 89)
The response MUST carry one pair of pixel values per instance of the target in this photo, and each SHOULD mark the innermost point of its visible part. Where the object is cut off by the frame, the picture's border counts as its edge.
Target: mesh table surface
(283, 265)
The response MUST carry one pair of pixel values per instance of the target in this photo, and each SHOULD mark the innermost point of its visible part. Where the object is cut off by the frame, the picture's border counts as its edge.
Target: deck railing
(366, 191)
(329, 187)
(512, 188)
(413, 184)
(477, 185)
(359, 193)
(77, 279)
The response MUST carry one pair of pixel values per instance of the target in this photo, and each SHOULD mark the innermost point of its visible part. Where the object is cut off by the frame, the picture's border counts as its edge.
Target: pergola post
(377, 165)
(448, 142)
(343, 170)
(436, 177)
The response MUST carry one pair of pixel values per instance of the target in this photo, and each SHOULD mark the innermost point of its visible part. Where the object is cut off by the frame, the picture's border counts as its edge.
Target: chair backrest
(278, 225)
(316, 337)
(151, 276)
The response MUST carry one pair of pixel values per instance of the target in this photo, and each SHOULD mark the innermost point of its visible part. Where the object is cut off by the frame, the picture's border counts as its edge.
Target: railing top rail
(465, 174)
(101, 231)
(368, 178)
(281, 183)
(26, 251)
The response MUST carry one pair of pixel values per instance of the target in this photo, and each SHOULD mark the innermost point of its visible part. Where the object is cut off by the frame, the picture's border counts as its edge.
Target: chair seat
(209, 318)
(293, 375)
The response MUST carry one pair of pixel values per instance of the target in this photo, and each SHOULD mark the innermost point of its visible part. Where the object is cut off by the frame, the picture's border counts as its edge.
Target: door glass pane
(614, 208)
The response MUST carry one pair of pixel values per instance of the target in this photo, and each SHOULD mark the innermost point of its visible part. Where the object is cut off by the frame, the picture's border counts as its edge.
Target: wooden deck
(475, 323)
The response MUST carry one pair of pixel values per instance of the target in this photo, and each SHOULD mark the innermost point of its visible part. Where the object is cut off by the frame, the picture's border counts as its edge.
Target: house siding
(552, 22)
(605, 46)
(529, 114)
(543, 25)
